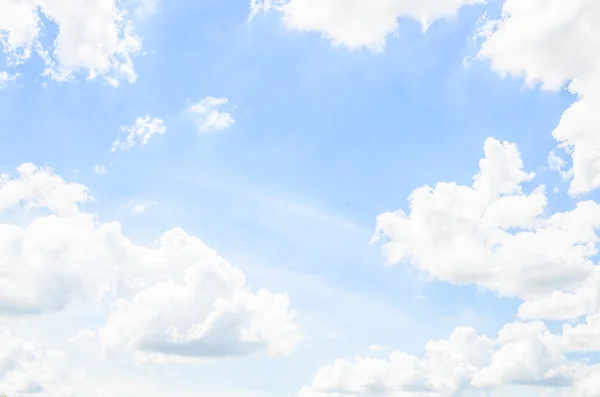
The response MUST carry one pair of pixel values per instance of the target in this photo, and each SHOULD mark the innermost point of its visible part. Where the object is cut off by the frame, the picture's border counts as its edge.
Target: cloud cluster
(360, 23)
(556, 47)
(208, 115)
(498, 234)
(526, 356)
(494, 235)
(177, 300)
(94, 37)
(28, 369)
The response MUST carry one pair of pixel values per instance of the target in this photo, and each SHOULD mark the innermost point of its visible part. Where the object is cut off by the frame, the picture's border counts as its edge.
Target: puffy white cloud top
(175, 300)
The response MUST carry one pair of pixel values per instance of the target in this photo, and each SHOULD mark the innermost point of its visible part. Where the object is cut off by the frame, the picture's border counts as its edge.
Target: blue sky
(326, 138)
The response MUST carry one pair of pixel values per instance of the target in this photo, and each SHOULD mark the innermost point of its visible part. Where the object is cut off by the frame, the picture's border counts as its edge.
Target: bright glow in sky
(299, 198)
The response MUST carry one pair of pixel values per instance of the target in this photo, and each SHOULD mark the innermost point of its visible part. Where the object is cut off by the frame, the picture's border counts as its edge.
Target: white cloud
(139, 133)
(377, 348)
(208, 114)
(6, 78)
(144, 8)
(83, 335)
(557, 163)
(359, 23)
(556, 47)
(186, 320)
(497, 237)
(99, 169)
(524, 355)
(94, 36)
(26, 368)
(140, 208)
(30, 369)
(175, 299)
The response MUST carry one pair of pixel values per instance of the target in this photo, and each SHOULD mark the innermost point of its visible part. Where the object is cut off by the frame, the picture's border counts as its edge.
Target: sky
(299, 198)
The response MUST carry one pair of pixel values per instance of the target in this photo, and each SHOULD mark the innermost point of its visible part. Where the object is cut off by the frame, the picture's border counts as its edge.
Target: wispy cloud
(139, 133)
(377, 348)
(145, 8)
(7, 78)
(99, 169)
(142, 207)
(209, 115)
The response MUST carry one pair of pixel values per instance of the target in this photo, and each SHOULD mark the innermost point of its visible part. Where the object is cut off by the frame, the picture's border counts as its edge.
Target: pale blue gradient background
(325, 139)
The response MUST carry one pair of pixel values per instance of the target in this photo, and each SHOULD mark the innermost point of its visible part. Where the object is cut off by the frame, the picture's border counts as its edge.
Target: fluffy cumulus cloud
(360, 23)
(555, 48)
(526, 356)
(28, 369)
(495, 235)
(94, 37)
(139, 133)
(209, 114)
(175, 300)
(498, 236)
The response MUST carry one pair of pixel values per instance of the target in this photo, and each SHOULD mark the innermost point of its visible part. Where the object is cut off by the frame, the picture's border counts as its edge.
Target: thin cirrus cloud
(211, 114)
(94, 37)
